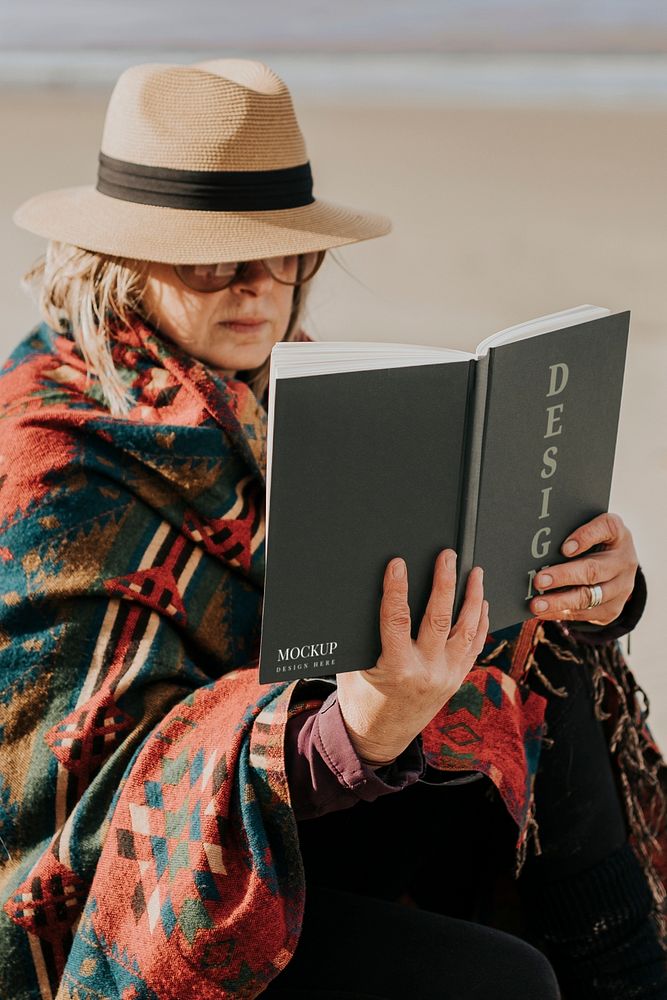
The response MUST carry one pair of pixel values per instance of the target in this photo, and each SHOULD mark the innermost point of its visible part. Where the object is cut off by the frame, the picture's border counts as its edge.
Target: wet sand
(499, 216)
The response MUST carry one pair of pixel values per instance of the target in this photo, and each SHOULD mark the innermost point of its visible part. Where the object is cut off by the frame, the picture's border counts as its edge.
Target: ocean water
(400, 79)
(600, 53)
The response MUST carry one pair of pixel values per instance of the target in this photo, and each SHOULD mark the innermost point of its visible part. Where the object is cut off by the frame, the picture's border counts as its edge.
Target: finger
(605, 529)
(482, 630)
(464, 632)
(574, 604)
(437, 621)
(467, 661)
(395, 612)
(586, 571)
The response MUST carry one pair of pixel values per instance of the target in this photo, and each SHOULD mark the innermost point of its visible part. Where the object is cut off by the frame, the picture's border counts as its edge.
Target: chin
(244, 357)
(245, 360)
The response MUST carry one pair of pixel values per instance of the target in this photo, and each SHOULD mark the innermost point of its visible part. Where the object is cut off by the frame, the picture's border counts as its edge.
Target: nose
(255, 279)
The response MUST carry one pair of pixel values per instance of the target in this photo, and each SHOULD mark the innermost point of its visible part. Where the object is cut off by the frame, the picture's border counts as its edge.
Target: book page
(294, 359)
(543, 324)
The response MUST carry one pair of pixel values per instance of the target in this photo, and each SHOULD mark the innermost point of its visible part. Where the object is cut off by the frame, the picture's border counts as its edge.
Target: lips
(254, 321)
(244, 326)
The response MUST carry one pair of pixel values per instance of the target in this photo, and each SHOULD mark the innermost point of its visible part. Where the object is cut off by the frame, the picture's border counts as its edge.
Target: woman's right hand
(385, 707)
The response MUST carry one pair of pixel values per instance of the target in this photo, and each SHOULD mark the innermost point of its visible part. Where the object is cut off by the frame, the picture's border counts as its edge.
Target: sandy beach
(500, 215)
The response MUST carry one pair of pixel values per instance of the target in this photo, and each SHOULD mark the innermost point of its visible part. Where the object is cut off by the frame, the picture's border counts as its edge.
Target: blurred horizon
(527, 80)
(605, 53)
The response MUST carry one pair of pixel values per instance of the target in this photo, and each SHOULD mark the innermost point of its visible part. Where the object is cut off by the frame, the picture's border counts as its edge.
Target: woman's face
(231, 330)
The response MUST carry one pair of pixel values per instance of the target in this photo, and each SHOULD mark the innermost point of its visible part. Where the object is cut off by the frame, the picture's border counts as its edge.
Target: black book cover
(368, 465)
(551, 421)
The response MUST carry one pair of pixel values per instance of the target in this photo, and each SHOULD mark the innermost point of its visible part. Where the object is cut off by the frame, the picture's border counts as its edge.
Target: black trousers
(356, 947)
(451, 849)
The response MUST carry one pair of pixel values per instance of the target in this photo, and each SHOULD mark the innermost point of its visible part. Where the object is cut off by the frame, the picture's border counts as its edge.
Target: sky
(492, 26)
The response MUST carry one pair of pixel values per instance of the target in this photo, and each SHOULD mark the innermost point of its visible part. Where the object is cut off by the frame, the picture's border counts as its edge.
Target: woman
(157, 802)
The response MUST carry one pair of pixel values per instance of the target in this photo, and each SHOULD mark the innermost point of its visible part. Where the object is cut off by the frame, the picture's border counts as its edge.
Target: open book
(381, 450)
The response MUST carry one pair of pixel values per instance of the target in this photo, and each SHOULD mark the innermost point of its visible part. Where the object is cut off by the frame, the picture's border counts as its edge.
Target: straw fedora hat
(199, 164)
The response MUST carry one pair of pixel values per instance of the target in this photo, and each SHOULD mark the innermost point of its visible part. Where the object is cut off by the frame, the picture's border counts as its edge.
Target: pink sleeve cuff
(324, 771)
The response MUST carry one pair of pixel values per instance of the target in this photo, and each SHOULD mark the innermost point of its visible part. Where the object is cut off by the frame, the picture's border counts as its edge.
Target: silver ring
(596, 596)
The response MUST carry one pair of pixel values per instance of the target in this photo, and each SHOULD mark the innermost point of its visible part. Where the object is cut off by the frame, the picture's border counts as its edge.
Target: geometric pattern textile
(132, 553)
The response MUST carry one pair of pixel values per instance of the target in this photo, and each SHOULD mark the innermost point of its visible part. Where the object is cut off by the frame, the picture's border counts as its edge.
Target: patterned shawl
(148, 846)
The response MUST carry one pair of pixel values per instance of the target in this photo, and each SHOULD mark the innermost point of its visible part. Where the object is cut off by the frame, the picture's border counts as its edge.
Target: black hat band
(206, 190)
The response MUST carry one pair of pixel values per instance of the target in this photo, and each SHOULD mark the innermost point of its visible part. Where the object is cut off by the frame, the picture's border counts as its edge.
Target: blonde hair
(87, 294)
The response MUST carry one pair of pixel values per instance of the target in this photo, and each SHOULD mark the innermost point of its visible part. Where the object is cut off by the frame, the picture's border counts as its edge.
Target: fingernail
(450, 560)
(544, 580)
(569, 547)
(398, 569)
(541, 605)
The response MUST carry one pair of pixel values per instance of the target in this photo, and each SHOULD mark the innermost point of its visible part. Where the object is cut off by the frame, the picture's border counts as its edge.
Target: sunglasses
(290, 269)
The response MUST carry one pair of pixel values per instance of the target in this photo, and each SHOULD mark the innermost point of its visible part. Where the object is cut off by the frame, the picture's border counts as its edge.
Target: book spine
(471, 477)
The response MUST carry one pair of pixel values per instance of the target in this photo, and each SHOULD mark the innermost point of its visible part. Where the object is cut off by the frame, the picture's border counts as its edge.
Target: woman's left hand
(612, 569)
